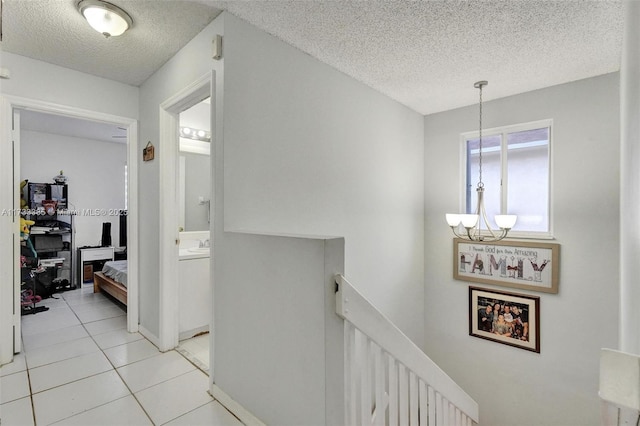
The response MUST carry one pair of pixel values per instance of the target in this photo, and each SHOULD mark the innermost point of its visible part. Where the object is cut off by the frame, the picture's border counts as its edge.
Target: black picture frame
(521, 330)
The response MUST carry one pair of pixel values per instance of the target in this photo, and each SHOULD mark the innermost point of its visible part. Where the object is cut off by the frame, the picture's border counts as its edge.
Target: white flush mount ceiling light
(477, 225)
(106, 18)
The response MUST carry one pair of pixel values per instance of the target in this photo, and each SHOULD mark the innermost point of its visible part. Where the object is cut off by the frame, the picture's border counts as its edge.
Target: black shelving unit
(52, 234)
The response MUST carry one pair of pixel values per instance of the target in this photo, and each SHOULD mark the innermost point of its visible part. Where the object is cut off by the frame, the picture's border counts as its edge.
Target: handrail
(619, 387)
(357, 310)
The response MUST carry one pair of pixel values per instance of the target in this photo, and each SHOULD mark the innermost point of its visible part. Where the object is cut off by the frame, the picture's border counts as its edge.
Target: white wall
(95, 177)
(189, 64)
(308, 150)
(39, 80)
(278, 341)
(558, 386)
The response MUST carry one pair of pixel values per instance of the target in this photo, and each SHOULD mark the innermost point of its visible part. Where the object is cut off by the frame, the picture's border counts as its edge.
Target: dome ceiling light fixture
(106, 18)
(477, 225)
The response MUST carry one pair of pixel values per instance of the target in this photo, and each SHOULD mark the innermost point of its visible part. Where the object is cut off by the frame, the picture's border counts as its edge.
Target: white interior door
(17, 278)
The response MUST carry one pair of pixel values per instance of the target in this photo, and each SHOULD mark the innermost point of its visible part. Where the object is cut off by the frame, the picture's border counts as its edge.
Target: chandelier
(477, 225)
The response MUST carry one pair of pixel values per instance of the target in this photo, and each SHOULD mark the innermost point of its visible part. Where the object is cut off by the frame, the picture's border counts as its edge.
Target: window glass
(515, 173)
(528, 179)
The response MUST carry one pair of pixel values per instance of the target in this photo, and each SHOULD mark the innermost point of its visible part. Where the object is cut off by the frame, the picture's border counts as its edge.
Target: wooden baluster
(351, 373)
(381, 398)
(423, 403)
(432, 406)
(452, 413)
(393, 390)
(365, 381)
(391, 374)
(413, 399)
(403, 394)
(441, 419)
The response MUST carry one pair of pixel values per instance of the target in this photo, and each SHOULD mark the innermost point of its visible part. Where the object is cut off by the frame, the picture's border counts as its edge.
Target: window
(516, 172)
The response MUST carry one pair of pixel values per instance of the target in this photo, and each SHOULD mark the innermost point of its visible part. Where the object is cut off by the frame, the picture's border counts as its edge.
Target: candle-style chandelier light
(476, 225)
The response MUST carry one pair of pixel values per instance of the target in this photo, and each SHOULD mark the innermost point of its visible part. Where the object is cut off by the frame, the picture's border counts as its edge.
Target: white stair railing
(619, 388)
(388, 379)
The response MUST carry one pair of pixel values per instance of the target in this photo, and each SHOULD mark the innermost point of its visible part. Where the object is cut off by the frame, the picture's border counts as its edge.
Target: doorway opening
(46, 130)
(182, 206)
(194, 222)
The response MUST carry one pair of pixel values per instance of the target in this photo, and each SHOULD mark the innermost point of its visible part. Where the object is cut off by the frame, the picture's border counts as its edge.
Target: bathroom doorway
(194, 200)
(175, 220)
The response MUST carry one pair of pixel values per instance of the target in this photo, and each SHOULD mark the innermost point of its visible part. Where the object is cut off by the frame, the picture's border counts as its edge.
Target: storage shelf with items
(29, 297)
(52, 233)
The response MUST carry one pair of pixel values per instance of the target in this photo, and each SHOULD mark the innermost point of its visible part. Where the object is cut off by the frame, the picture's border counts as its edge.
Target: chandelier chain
(480, 184)
(477, 225)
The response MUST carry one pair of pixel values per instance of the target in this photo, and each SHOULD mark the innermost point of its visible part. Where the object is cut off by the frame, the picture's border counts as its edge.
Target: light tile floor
(80, 366)
(196, 350)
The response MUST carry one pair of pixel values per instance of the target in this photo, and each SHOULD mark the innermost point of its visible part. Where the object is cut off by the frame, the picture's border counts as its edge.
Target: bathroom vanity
(195, 288)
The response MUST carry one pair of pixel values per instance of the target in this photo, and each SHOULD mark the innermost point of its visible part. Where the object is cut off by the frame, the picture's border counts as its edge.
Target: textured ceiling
(54, 31)
(425, 54)
(428, 54)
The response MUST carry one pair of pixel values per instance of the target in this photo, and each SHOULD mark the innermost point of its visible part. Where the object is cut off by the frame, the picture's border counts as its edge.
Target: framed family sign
(507, 318)
(517, 264)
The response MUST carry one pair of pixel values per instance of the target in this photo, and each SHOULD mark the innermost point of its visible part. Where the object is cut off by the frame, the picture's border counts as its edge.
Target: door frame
(10, 197)
(170, 109)
(17, 283)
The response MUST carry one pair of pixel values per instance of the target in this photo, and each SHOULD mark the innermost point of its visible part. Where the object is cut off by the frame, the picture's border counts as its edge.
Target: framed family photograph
(507, 318)
(517, 264)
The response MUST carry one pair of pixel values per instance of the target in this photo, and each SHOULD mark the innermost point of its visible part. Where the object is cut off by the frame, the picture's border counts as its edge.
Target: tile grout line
(133, 394)
(77, 356)
(213, 399)
(26, 366)
(115, 370)
(93, 375)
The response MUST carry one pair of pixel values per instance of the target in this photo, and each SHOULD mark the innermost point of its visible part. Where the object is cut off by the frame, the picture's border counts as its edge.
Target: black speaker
(123, 228)
(106, 234)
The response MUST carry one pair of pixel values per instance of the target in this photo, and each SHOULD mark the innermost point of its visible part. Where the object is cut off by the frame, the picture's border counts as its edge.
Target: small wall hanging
(148, 152)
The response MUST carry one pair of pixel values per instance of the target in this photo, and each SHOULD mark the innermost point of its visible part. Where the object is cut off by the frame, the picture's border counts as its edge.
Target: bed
(112, 280)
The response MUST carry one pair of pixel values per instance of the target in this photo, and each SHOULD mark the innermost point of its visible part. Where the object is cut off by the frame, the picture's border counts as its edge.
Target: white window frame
(504, 130)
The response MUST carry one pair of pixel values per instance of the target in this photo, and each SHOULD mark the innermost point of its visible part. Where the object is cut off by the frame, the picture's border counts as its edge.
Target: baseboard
(238, 410)
(193, 332)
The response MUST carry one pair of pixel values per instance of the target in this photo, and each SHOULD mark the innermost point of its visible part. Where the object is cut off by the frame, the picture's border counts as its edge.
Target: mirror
(194, 185)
